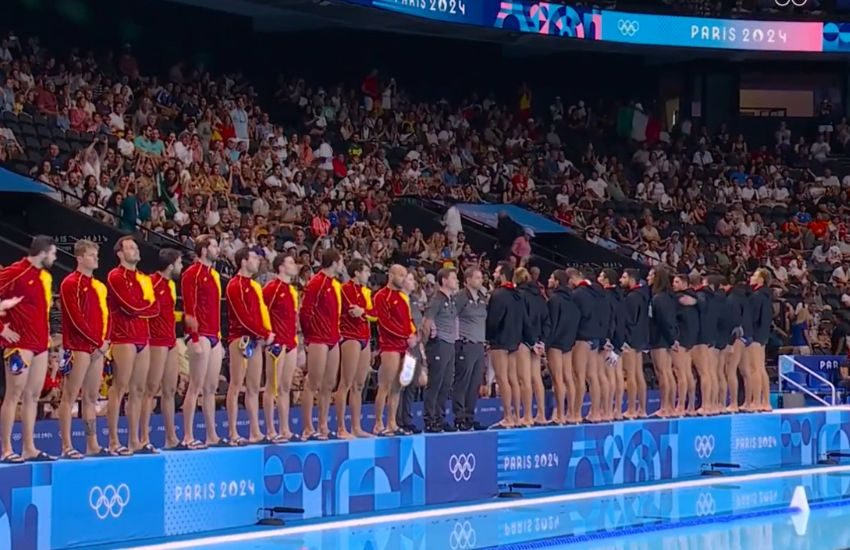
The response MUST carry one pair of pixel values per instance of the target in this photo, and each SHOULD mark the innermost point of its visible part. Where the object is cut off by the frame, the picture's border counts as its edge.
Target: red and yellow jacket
(85, 313)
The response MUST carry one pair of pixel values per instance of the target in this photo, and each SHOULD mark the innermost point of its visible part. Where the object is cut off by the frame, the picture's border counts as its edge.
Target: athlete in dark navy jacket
(612, 365)
(563, 319)
(535, 333)
(504, 332)
(687, 318)
(762, 314)
(737, 326)
(636, 340)
(663, 336)
(701, 353)
(589, 336)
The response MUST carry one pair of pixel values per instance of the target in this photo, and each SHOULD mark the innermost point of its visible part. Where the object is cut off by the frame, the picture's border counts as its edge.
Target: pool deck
(99, 501)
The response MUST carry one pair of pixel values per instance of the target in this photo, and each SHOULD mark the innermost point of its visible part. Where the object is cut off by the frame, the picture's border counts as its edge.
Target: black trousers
(468, 376)
(404, 415)
(441, 366)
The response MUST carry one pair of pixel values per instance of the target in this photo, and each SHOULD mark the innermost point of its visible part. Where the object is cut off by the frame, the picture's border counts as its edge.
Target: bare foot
(343, 434)
(378, 429)
(361, 433)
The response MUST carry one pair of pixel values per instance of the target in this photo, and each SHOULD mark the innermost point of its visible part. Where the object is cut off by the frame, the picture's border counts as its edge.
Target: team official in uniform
(355, 349)
(26, 291)
(321, 309)
(441, 331)
(396, 335)
(131, 304)
(249, 332)
(471, 304)
(85, 328)
(164, 369)
(281, 297)
(504, 330)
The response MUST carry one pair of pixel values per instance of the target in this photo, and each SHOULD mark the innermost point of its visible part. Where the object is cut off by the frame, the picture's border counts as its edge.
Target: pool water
(749, 512)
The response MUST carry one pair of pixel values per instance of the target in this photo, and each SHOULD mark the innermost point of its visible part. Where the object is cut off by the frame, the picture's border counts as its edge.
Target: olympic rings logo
(461, 466)
(795, 3)
(463, 536)
(628, 27)
(109, 500)
(704, 445)
(706, 505)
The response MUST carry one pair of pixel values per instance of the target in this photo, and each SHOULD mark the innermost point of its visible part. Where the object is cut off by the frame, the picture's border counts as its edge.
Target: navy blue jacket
(506, 319)
(537, 327)
(762, 311)
(663, 329)
(636, 309)
(592, 318)
(724, 318)
(563, 318)
(616, 332)
(687, 317)
(738, 307)
(707, 307)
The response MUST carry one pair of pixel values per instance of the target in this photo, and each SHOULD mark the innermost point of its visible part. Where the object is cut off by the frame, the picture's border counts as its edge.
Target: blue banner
(578, 22)
(226, 484)
(460, 469)
(117, 500)
(104, 500)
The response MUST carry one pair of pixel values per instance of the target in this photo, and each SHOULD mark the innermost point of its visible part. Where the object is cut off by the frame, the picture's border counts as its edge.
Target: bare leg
(618, 387)
(499, 359)
(16, 384)
(210, 387)
(29, 408)
(199, 363)
(581, 363)
(539, 390)
(138, 380)
(72, 383)
(287, 365)
(169, 391)
(153, 384)
(629, 362)
(349, 362)
(238, 369)
(273, 367)
(124, 357)
(387, 376)
(570, 385)
(556, 368)
(524, 378)
(91, 393)
(326, 389)
(317, 359)
(253, 377)
(364, 365)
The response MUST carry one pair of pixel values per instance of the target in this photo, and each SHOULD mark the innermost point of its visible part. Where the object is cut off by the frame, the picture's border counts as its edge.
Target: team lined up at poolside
(129, 322)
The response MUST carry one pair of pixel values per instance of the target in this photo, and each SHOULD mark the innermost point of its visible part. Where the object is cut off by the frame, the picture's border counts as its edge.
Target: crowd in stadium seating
(196, 152)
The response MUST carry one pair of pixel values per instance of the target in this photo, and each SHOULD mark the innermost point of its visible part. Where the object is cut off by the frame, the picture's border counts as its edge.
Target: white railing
(813, 374)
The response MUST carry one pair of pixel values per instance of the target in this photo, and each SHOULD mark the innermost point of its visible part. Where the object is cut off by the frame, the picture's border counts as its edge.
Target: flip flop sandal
(238, 442)
(317, 437)
(41, 457)
(147, 449)
(295, 438)
(12, 458)
(387, 433)
(263, 441)
(499, 426)
(101, 453)
(223, 442)
(121, 451)
(279, 439)
(71, 454)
